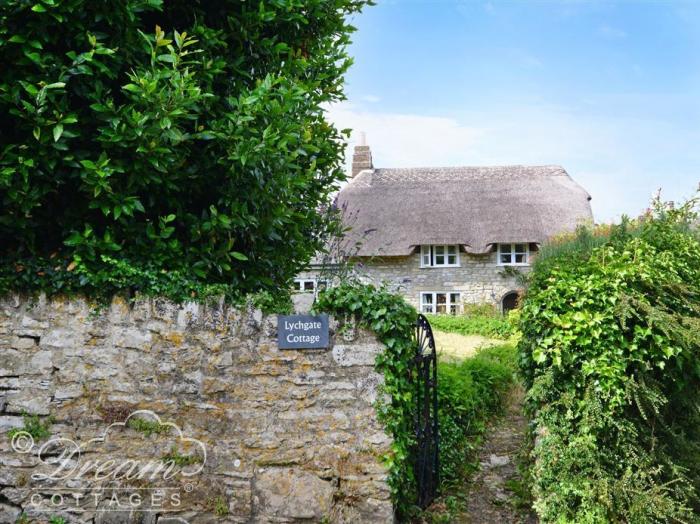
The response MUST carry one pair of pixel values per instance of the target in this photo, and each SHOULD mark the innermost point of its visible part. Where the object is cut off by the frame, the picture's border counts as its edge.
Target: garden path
(495, 493)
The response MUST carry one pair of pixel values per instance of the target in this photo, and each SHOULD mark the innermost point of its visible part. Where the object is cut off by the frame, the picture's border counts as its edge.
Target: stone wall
(272, 435)
(479, 278)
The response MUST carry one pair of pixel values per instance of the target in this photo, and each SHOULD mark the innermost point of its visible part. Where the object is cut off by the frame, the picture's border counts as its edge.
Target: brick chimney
(362, 157)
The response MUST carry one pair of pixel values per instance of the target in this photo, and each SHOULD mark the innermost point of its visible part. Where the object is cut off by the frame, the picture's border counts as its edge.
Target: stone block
(291, 493)
(356, 354)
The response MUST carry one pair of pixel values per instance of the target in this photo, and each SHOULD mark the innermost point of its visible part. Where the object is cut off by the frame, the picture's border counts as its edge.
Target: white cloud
(620, 161)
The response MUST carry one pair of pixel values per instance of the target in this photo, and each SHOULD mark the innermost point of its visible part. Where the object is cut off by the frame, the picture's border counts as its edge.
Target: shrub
(146, 142)
(610, 346)
(469, 393)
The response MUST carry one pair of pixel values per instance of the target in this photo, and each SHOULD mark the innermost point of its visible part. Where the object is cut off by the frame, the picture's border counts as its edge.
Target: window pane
(439, 260)
(453, 309)
(426, 260)
(427, 308)
(297, 285)
(439, 250)
(308, 285)
(454, 298)
(427, 298)
(506, 248)
(452, 260)
(520, 248)
(442, 309)
(322, 284)
(452, 250)
(519, 259)
(441, 298)
(505, 259)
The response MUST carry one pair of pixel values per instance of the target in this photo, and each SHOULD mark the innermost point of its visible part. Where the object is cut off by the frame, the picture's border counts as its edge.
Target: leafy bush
(483, 320)
(610, 352)
(469, 393)
(161, 141)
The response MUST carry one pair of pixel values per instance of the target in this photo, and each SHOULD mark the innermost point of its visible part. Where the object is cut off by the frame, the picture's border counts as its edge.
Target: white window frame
(431, 307)
(512, 253)
(315, 282)
(429, 255)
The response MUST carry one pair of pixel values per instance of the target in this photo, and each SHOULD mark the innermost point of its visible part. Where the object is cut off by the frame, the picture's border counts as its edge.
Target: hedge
(611, 355)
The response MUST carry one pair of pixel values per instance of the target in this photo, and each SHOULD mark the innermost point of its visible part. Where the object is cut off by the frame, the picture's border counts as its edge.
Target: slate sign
(302, 331)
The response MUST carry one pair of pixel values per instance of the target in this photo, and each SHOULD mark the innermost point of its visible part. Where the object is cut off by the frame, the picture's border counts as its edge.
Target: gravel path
(489, 500)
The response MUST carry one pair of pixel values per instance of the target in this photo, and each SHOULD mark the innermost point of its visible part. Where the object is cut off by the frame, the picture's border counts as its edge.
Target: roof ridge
(540, 169)
(493, 166)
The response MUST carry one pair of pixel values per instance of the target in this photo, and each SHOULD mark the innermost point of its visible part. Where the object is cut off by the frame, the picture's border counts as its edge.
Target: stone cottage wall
(479, 278)
(289, 436)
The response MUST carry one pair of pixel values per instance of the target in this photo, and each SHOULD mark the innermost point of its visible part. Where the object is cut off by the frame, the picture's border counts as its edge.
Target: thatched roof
(391, 211)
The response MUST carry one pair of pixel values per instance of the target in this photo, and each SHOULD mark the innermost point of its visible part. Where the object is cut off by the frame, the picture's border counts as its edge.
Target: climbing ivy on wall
(393, 321)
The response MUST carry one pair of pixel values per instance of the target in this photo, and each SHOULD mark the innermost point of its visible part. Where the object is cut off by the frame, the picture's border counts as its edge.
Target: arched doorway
(509, 301)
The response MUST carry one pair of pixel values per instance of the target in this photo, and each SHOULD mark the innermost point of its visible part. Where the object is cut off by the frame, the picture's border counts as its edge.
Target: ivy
(393, 321)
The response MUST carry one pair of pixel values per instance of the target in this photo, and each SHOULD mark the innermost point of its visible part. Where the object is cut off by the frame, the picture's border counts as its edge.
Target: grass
(453, 346)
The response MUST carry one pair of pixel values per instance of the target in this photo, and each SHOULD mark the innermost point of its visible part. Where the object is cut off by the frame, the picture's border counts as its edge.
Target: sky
(610, 90)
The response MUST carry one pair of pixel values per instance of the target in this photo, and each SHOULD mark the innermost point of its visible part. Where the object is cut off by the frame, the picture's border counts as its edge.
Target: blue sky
(610, 90)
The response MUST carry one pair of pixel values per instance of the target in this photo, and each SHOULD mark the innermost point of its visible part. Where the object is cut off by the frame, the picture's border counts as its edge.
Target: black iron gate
(424, 378)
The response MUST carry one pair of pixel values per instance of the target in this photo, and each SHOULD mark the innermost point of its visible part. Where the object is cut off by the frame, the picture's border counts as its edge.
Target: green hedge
(611, 351)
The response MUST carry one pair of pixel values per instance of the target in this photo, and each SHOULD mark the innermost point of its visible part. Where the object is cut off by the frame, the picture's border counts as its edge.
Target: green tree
(152, 136)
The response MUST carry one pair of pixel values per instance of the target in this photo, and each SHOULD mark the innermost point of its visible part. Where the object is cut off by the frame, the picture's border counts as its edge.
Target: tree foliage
(610, 351)
(167, 136)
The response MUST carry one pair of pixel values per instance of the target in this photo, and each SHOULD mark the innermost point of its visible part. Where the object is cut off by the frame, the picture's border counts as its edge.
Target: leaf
(57, 132)
(71, 266)
(239, 256)
(38, 8)
(37, 132)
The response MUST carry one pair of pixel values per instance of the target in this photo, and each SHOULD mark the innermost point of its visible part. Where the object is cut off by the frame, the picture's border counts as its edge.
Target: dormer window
(513, 254)
(439, 256)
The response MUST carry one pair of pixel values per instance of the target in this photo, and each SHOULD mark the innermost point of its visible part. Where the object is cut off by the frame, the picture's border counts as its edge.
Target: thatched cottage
(444, 237)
